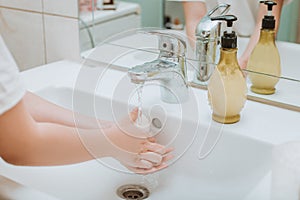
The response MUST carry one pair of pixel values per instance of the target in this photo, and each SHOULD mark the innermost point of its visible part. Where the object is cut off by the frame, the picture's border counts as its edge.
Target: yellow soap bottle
(227, 88)
(264, 63)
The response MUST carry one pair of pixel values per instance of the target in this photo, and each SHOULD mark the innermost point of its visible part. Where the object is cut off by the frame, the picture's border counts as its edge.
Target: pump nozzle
(229, 39)
(270, 5)
(268, 21)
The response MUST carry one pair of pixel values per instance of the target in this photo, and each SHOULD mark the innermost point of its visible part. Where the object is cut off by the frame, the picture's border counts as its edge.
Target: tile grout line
(38, 12)
(44, 34)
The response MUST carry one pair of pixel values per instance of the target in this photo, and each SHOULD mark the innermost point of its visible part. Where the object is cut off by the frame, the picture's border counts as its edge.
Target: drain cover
(133, 192)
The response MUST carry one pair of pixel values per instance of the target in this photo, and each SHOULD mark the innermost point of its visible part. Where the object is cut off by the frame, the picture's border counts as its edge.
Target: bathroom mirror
(289, 31)
(288, 37)
(101, 32)
(120, 52)
(101, 20)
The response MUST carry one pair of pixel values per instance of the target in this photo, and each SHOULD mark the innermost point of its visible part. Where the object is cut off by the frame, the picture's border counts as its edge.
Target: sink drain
(133, 192)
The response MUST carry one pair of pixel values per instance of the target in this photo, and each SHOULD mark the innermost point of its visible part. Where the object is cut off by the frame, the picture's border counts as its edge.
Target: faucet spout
(145, 72)
(174, 86)
(169, 68)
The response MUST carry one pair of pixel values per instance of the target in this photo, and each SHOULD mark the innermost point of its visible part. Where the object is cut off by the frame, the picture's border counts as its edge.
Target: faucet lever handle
(223, 12)
(169, 44)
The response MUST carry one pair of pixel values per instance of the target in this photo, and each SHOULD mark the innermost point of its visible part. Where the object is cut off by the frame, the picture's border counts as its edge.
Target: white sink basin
(12, 190)
(233, 170)
(238, 168)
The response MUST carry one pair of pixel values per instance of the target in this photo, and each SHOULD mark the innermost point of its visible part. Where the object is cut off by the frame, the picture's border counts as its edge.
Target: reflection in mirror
(126, 43)
(289, 30)
(287, 37)
(121, 52)
(99, 20)
(286, 95)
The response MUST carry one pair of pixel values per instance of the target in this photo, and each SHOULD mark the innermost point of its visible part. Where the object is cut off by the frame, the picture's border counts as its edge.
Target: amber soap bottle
(227, 88)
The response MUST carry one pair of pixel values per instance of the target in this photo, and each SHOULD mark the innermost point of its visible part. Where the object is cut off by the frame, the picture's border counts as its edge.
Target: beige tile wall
(40, 31)
(26, 44)
(61, 42)
(62, 7)
(30, 5)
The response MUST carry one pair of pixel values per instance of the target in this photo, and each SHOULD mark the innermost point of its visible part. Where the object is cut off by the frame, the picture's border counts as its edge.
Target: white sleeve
(11, 89)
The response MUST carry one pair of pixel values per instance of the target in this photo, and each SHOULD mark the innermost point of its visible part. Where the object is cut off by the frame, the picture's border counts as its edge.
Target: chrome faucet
(169, 68)
(207, 41)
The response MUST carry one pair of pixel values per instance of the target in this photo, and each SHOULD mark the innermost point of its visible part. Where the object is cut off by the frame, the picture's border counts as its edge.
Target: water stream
(139, 90)
(149, 180)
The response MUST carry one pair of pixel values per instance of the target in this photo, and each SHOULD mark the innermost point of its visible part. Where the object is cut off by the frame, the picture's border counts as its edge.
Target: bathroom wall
(289, 22)
(297, 10)
(40, 31)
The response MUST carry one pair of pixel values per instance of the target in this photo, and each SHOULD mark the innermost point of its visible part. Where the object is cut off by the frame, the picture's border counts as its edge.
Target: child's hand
(134, 149)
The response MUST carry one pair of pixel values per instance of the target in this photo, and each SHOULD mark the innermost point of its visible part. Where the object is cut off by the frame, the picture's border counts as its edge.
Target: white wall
(40, 31)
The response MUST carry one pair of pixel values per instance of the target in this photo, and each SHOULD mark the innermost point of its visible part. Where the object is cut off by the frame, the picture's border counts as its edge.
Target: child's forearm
(44, 111)
(23, 141)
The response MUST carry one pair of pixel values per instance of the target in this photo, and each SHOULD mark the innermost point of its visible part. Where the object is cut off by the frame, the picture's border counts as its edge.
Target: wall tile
(62, 38)
(33, 5)
(23, 34)
(62, 7)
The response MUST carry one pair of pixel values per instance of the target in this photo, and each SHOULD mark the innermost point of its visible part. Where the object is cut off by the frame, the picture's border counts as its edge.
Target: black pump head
(229, 38)
(268, 21)
(228, 18)
(270, 4)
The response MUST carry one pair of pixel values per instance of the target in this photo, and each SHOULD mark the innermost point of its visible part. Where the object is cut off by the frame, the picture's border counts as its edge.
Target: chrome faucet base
(169, 69)
(173, 91)
(174, 87)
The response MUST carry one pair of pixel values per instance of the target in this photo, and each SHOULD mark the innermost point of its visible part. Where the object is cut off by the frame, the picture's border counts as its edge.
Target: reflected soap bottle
(227, 89)
(264, 62)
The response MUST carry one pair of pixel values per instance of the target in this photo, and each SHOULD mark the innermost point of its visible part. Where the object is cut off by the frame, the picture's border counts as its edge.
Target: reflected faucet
(169, 68)
(207, 40)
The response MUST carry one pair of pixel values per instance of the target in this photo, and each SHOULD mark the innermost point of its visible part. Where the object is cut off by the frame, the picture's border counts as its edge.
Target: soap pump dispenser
(264, 63)
(227, 89)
